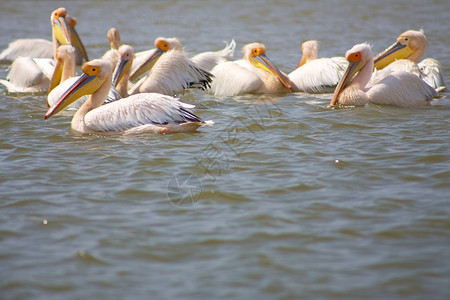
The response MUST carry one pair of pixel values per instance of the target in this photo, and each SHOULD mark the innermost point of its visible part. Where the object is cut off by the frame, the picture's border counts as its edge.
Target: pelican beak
(75, 39)
(119, 71)
(392, 53)
(352, 69)
(56, 77)
(60, 30)
(264, 63)
(302, 61)
(85, 85)
(147, 65)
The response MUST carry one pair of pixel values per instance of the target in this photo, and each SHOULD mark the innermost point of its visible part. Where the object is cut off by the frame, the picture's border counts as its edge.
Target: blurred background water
(281, 199)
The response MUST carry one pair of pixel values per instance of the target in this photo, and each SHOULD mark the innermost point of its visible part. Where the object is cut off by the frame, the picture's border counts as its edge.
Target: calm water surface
(281, 199)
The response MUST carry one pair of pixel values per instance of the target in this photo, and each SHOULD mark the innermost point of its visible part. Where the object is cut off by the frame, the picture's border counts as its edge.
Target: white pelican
(397, 88)
(42, 48)
(27, 74)
(65, 75)
(405, 54)
(142, 113)
(317, 75)
(255, 73)
(173, 74)
(145, 60)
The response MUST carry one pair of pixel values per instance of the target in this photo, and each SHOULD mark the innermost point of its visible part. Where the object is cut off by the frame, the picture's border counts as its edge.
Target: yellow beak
(352, 69)
(392, 53)
(264, 63)
(76, 42)
(85, 85)
(60, 30)
(147, 65)
(56, 77)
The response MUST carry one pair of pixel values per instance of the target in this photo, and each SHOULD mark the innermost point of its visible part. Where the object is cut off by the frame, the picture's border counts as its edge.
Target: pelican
(65, 75)
(42, 48)
(405, 54)
(142, 113)
(145, 60)
(396, 88)
(255, 73)
(27, 74)
(317, 75)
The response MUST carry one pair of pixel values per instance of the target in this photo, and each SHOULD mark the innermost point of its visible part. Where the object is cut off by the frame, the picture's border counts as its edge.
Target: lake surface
(282, 198)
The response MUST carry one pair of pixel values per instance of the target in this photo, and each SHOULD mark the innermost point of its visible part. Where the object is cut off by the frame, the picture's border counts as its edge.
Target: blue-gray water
(281, 199)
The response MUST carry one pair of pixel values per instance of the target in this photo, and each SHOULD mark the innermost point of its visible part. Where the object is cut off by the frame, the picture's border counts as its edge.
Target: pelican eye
(258, 51)
(93, 71)
(354, 56)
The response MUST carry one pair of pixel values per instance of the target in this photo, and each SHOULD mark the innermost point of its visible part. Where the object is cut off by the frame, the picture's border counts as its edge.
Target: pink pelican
(317, 75)
(397, 88)
(27, 74)
(255, 74)
(404, 55)
(142, 113)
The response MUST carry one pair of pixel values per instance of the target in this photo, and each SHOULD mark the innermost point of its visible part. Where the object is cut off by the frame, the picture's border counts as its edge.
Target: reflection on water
(281, 199)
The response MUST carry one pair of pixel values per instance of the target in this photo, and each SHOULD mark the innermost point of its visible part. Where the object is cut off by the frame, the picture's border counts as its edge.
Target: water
(281, 199)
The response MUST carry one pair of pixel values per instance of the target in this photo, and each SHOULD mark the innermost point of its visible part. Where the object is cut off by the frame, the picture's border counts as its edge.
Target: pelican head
(310, 51)
(126, 56)
(411, 45)
(95, 73)
(114, 38)
(358, 56)
(162, 45)
(60, 27)
(255, 53)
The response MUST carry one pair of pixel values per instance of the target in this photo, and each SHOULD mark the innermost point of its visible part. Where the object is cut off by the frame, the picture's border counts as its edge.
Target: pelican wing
(25, 76)
(319, 75)
(137, 110)
(234, 78)
(405, 65)
(172, 74)
(431, 74)
(400, 89)
(208, 60)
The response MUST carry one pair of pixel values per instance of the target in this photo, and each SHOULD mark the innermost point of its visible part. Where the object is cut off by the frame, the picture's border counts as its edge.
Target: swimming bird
(386, 87)
(30, 75)
(172, 74)
(404, 55)
(145, 60)
(255, 73)
(141, 113)
(317, 75)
